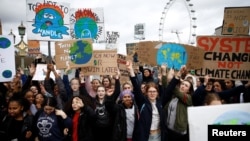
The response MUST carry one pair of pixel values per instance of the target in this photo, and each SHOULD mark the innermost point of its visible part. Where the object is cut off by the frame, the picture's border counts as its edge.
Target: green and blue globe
(81, 52)
(233, 117)
(174, 55)
(86, 28)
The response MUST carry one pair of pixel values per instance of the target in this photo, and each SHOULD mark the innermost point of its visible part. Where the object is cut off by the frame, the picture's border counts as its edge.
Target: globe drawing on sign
(86, 28)
(173, 55)
(7, 73)
(4, 43)
(81, 52)
(233, 118)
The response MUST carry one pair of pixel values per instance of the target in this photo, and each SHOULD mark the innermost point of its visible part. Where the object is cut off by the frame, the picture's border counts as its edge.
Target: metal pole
(49, 53)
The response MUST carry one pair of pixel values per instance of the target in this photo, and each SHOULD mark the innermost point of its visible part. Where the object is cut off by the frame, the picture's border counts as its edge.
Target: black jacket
(5, 128)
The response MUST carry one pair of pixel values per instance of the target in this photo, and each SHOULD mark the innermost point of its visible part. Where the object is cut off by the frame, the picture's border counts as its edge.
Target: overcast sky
(121, 16)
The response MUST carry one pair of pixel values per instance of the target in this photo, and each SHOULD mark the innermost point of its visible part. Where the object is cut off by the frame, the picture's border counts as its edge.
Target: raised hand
(32, 69)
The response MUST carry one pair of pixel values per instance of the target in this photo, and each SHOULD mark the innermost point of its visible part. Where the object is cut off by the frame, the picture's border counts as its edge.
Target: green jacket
(184, 100)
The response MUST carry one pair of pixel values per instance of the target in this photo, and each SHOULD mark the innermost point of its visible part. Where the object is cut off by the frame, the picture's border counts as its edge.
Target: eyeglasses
(152, 91)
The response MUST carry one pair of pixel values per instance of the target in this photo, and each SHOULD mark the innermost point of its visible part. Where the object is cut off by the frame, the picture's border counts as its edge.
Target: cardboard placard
(33, 47)
(75, 53)
(226, 57)
(104, 62)
(236, 21)
(121, 61)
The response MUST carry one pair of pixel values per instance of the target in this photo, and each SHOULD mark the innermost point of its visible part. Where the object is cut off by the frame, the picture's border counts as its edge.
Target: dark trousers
(174, 136)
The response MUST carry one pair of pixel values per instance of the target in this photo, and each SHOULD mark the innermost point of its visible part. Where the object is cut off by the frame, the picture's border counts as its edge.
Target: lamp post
(14, 36)
(22, 46)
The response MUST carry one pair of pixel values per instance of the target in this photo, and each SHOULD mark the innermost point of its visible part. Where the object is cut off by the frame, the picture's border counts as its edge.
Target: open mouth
(49, 23)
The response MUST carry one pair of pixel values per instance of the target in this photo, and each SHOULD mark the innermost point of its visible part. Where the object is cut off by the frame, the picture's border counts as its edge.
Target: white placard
(228, 114)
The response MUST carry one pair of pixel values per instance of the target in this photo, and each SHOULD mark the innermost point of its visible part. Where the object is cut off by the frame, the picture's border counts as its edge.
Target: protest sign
(225, 57)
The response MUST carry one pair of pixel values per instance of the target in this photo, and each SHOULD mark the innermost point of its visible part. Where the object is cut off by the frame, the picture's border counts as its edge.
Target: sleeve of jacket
(199, 96)
(185, 98)
(48, 85)
(117, 89)
(24, 78)
(27, 83)
(67, 85)
(62, 89)
(91, 113)
(232, 92)
(169, 91)
(139, 97)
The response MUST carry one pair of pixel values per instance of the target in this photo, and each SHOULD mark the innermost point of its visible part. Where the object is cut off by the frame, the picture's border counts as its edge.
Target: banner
(225, 57)
(7, 59)
(172, 54)
(228, 114)
(104, 62)
(33, 47)
(47, 20)
(236, 21)
(41, 70)
(73, 53)
(121, 61)
(87, 23)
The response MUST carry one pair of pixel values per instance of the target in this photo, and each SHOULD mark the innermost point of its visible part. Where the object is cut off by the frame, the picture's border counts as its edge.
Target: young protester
(55, 88)
(83, 118)
(51, 123)
(150, 126)
(29, 95)
(17, 124)
(126, 115)
(212, 99)
(103, 126)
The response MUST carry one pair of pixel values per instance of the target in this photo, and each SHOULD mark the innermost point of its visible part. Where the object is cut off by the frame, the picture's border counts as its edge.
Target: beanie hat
(126, 92)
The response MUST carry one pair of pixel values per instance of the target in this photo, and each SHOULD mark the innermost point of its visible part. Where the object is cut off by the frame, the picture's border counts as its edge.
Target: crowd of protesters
(146, 108)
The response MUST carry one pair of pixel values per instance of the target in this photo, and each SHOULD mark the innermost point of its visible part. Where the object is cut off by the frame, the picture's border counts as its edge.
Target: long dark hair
(50, 101)
(68, 106)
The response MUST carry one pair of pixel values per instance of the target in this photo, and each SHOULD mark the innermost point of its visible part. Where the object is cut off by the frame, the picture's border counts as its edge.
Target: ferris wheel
(183, 18)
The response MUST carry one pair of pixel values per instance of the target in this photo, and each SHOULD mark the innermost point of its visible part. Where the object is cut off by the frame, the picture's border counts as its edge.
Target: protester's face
(198, 82)
(217, 87)
(95, 84)
(229, 84)
(106, 82)
(75, 85)
(152, 93)
(127, 87)
(15, 109)
(15, 84)
(143, 88)
(101, 92)
(127, 100)
(77, 104)
(185, 87)
(209, 86)
(30, 96)
(48, 109)
(39, 99)
(146, 73)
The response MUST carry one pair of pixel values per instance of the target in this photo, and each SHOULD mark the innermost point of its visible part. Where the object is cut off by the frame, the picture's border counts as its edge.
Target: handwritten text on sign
(227, 57)
(104, 62)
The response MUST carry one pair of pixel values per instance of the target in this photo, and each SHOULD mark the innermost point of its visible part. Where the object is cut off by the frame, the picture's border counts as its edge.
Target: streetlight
(12, 34)
(22, 46)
